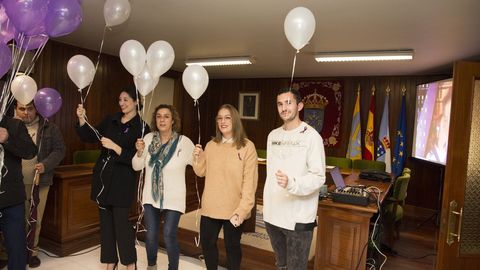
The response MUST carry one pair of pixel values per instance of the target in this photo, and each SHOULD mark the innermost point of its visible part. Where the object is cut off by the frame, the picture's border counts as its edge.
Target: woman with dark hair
(229, 164)
(165, 158)
(113, 184)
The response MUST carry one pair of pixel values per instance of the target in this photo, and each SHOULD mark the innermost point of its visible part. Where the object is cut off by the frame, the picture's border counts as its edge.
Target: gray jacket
(51, 149)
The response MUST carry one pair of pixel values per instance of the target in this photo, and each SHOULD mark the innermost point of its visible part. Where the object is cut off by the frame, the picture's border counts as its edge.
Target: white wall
(162, 94)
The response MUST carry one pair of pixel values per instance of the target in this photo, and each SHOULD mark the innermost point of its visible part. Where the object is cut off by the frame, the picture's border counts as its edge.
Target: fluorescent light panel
(224, 61)
(364, 56)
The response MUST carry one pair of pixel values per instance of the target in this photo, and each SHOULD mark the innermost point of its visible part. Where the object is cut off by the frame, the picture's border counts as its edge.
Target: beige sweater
(231, 177)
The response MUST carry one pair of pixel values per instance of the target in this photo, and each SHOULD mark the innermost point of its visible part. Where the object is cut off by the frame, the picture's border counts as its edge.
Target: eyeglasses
(226, 118)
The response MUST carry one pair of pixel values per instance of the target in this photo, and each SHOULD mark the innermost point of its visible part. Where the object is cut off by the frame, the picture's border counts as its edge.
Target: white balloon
(299, 26)
(160, 56)
(133, 56)
(24, 89)
(195, 80)
(116, 12)
(145, 82)
(81, 70)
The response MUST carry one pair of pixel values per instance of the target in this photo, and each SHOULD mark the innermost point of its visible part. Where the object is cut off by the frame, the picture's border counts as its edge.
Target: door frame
(464, 76)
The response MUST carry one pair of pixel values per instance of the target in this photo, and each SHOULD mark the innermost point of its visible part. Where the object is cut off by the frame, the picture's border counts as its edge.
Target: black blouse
(114, 172)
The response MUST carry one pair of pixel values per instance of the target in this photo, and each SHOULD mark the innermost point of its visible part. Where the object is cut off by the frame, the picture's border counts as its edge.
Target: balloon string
(150, 102)
(82, 100)
(30, 218)
(2, 165)
(45, 120)
(293, 68)
(17, 59)
(143, 115)
(98, 61)
(197, 104)
(138, 226)
(197, 212)
(37, 54)
(97, 133)
(142, 123)
(34, 183)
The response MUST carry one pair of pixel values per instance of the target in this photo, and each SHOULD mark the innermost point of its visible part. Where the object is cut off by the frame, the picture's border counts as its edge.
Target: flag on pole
(399, 153)
(383, 144)
(369, 131)
(354, 150)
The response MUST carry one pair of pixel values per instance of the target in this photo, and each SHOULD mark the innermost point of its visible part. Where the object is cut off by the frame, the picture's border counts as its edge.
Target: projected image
(432, 120)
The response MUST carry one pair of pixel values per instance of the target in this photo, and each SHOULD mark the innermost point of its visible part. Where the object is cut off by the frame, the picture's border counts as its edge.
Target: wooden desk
(70, 222)
(343, 229)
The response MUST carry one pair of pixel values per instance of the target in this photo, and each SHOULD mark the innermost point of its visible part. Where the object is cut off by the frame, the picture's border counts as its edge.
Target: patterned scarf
(160, 154)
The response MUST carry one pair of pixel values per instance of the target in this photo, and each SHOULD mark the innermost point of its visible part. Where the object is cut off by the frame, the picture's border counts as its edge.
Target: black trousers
(116, 230)
(209, 229)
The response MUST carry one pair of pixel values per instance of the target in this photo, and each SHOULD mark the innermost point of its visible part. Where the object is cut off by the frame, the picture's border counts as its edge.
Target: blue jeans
(12, 224)
(170, 228)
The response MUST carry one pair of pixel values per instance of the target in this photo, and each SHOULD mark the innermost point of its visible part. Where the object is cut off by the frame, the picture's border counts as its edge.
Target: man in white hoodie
(295, 173)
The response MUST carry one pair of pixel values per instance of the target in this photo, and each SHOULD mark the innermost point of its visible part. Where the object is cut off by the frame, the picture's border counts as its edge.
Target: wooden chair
(362, 164)
(85, 156)
(342, 163)
(393, 207)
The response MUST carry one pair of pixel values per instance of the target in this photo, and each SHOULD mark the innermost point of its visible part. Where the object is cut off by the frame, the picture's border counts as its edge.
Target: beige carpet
(258, 239)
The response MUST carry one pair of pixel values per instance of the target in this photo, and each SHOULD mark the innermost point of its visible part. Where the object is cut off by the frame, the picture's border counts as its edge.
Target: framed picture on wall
(248, 104)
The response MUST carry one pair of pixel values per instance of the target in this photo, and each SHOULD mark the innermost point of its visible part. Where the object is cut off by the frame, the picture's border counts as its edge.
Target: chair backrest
(407, 170)
(362, 164)
(85, 156)
(341, 162)
(262, 153)
(401, 186)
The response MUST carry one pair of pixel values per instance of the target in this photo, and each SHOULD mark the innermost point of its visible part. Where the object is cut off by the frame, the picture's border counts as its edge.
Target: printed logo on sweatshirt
(288, 142)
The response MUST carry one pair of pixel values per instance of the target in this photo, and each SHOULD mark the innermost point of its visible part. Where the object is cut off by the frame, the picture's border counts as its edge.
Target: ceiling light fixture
(223, 61)
(364, 56)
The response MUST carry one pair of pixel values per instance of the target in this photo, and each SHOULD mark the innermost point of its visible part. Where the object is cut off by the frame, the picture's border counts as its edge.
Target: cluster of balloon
(32, 22)
(146, 67)
(80, 68)
(47, 100)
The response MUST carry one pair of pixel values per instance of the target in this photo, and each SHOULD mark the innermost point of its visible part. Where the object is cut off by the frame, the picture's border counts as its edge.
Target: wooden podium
(71, 220)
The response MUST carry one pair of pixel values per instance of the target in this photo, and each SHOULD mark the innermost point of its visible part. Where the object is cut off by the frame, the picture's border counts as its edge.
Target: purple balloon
(3, 15)
(26, 14)
(47, 101)
(31, 42)
(7, 31)
(63, 17)
(5, 59)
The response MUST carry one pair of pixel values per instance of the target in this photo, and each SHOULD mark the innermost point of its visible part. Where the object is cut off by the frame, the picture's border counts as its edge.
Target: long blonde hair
(239, 136)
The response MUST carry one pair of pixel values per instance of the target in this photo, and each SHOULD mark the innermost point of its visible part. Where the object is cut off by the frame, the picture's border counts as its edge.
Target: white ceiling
(439, 31)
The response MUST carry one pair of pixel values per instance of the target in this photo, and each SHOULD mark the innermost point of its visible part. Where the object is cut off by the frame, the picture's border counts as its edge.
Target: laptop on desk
(334, 176)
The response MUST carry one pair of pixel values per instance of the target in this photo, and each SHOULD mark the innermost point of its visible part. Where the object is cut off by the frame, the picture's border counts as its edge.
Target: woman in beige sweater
(229, 165)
